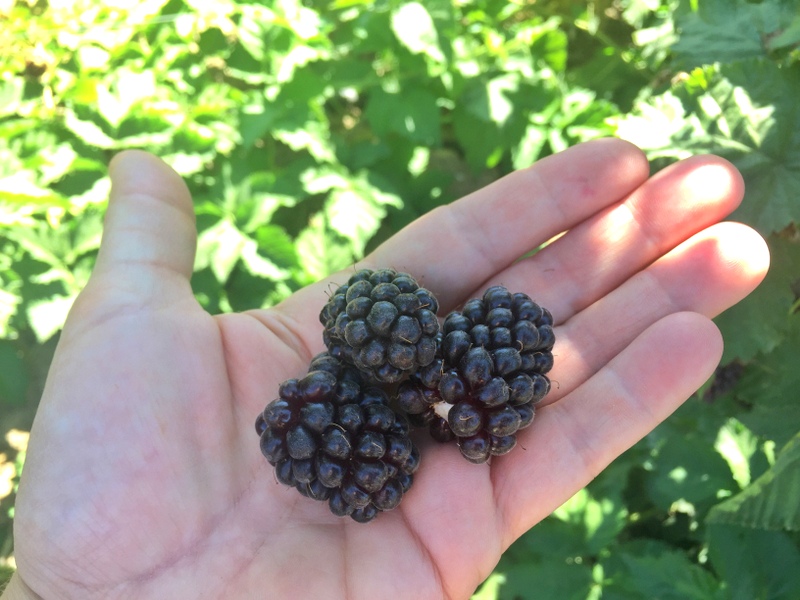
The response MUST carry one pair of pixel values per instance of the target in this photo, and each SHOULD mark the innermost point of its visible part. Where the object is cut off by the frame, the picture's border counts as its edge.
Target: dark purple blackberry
(334, 437)
(382, 322)
(488, 376)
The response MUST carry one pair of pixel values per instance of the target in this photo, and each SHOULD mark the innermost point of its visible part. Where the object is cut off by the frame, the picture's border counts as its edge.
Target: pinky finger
(572, 440)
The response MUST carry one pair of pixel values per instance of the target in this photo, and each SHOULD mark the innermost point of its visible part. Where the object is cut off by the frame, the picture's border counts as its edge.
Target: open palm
(144, 477)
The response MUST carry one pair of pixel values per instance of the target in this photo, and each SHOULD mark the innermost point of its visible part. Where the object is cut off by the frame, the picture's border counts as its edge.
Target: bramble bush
(310, 131)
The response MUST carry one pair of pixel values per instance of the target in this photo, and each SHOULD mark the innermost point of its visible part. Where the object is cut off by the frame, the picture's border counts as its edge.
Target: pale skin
(144, 477)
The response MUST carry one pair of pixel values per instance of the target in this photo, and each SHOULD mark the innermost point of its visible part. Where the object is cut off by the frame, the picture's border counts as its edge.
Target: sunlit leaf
(220, 247)
(46, 317)
(321, 250)
(414, 27)
(768, 503)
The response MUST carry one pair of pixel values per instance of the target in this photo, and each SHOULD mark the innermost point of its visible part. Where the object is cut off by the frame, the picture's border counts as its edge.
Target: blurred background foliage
(310, 131)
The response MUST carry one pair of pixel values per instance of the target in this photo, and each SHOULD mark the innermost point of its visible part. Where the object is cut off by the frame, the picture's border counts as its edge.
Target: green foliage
(309, 132)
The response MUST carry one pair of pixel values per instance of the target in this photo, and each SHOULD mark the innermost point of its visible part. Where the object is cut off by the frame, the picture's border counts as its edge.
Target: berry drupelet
(383, 323)
(335, 438)
(488, 375)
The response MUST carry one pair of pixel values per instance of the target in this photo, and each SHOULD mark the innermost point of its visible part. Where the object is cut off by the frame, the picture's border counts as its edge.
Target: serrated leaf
(252, 29)
(767, 390)
(551, 579)
(690, 471)
(730, 30)
(260, 266)
(666, 575)
(771, 501)
(20, 189)
(744, 111)
(274, 242)
(771, 167)
(758, 323)
(88, 132)
(220, 247)
(600, 519)
(355, 216)
(755, 563)
(414, 27)
(313, 137)
(322, 251)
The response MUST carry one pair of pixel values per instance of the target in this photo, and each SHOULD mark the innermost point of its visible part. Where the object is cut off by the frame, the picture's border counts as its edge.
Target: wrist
(18, 590)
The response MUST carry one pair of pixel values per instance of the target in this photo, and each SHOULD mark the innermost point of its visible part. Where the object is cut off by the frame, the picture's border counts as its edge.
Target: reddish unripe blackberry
(334, 437)
(488, 376)
(382, 322)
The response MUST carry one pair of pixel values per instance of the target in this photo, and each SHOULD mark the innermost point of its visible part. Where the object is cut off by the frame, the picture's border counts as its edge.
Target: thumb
(149, 236)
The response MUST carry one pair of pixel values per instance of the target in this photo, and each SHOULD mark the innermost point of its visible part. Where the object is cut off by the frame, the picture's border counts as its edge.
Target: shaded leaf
(690, 470)
(411, 113)
(550, 579)
(755, 563)
(730, 30)
(758, 323)
(767, 390)
(655, 571)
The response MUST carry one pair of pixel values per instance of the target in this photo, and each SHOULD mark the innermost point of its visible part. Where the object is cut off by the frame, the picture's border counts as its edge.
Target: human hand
(144, 477)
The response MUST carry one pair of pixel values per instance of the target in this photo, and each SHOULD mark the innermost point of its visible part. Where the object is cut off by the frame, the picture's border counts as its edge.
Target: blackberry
(382, 322)
(334, 438)
(488, 376)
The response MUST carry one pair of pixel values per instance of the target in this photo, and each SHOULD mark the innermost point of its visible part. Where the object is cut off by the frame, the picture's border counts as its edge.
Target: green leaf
(767, 390)
(768, 122)
(275, 243)
(758, 323)
(321, 250)
(220, 247)
(412, 113)
(313, 136)
(787, 38)
(9, 302)
(414, 27)
(354, 217)
(754, 563)
(11, 95)
(655, 571)
(600, 520)
(771, 501)
(490, 589)
(87, 131)
(745, 112)
(552, 578)
(737, 445)
(730, 30)
(12, 388)
(690, 471)
(47, 316)
(20, 189)
(252, 29)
